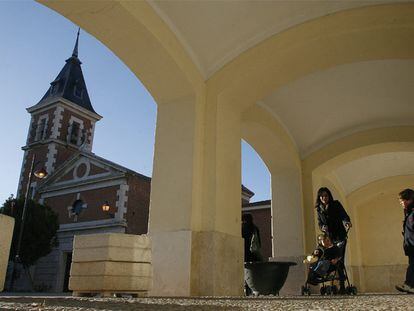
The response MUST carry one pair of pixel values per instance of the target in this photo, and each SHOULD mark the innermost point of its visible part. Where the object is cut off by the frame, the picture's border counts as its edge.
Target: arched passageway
(367, 180)
(278, 152)
(204, 112)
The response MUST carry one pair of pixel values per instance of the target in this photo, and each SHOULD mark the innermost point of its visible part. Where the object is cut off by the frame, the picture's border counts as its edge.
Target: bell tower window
(41, 128)
(74, 134)
(75, 129)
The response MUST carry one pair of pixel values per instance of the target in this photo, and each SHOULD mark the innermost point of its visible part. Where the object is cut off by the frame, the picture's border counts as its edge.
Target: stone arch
(355, 35)
(344, 150)
(205, 139)
(135, 33)
(274, 146)
(320, 169)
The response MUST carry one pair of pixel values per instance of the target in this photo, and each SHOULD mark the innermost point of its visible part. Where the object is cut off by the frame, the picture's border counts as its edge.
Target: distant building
(79, 182)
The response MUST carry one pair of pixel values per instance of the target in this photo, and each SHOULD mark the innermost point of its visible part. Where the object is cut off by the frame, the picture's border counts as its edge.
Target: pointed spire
(70, 83)
(75, 49)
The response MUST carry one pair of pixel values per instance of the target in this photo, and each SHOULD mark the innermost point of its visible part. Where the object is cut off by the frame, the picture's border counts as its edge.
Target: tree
(40, 227)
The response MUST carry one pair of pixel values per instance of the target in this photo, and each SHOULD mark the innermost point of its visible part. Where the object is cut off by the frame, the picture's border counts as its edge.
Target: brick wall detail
(121, 203)
(35, 119)
(93, 199)
(51, 158)
(66, 120)
(95, 170)
(138, 205)
(57, 122)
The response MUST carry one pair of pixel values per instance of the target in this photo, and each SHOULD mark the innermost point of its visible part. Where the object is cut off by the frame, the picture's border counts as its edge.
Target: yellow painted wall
(383, 263)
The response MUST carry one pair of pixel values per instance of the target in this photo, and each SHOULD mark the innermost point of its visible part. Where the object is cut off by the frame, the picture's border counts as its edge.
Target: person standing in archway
(407, 202)
(252, 242)
(334, 221)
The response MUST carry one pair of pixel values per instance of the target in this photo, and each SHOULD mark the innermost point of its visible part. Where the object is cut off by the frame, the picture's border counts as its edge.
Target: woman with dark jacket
(335, 222)
(407, 202)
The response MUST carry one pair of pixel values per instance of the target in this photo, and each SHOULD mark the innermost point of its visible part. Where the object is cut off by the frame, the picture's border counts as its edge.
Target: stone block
(111, 253)
(112, 284)
(111, 268)
(112, 240)
(7, 226)
(111, 263)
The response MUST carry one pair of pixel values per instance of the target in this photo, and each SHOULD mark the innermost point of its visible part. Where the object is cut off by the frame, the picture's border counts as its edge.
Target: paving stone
(343, 303)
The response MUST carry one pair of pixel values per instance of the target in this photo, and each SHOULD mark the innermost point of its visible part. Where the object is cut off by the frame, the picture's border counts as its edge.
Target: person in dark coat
(407, 202)
(335, 222)
(251, 236)
(252, 244)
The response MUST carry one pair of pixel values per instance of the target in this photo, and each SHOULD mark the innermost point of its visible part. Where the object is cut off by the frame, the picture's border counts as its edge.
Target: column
(287, 224)
(195, 201)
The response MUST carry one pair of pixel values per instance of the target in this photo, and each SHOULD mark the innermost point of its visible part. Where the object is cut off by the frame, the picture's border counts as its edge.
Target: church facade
(89, 193)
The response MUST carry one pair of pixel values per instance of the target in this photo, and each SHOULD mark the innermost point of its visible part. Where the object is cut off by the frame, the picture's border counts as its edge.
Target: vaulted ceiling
(215, 32)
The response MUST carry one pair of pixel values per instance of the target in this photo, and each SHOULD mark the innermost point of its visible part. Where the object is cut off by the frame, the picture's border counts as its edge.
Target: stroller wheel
(305, 290)
(323, 290)
(334, 290)
(328, 290)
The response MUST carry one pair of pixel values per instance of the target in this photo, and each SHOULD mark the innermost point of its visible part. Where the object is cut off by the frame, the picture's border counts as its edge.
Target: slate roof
(70, 84)
(247, 191)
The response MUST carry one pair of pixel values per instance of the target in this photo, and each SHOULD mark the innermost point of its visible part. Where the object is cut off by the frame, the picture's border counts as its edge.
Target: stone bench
(111, 264)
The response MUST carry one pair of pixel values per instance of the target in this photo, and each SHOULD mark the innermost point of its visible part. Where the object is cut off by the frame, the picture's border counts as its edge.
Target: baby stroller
(325, 266)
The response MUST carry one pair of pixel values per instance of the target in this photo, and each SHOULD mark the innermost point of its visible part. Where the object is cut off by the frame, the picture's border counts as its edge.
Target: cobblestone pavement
(354, 303)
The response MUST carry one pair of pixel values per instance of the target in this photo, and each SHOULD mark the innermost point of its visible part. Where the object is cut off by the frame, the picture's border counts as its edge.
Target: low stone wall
(112, 263)
(7, 226)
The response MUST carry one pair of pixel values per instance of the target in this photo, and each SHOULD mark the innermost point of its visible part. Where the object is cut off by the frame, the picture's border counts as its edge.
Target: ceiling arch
(361, 159)
(357, 35)
(363, 171)
(215, 32)
(327, 105)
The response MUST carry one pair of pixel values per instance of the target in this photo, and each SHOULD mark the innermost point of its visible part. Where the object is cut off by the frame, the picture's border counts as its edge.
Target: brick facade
(138, 205)
(93, 199)
(49, 113)
(67, 116)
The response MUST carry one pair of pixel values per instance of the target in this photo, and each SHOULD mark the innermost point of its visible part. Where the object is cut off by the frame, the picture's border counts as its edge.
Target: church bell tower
(62, 122)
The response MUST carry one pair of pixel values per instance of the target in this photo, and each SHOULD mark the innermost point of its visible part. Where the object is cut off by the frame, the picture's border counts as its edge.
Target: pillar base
(189, 263)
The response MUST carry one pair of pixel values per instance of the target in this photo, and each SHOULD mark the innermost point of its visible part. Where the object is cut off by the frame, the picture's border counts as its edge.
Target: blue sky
(35, 42)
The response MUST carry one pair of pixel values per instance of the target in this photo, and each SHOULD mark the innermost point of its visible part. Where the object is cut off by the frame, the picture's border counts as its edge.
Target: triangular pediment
(82, 168)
